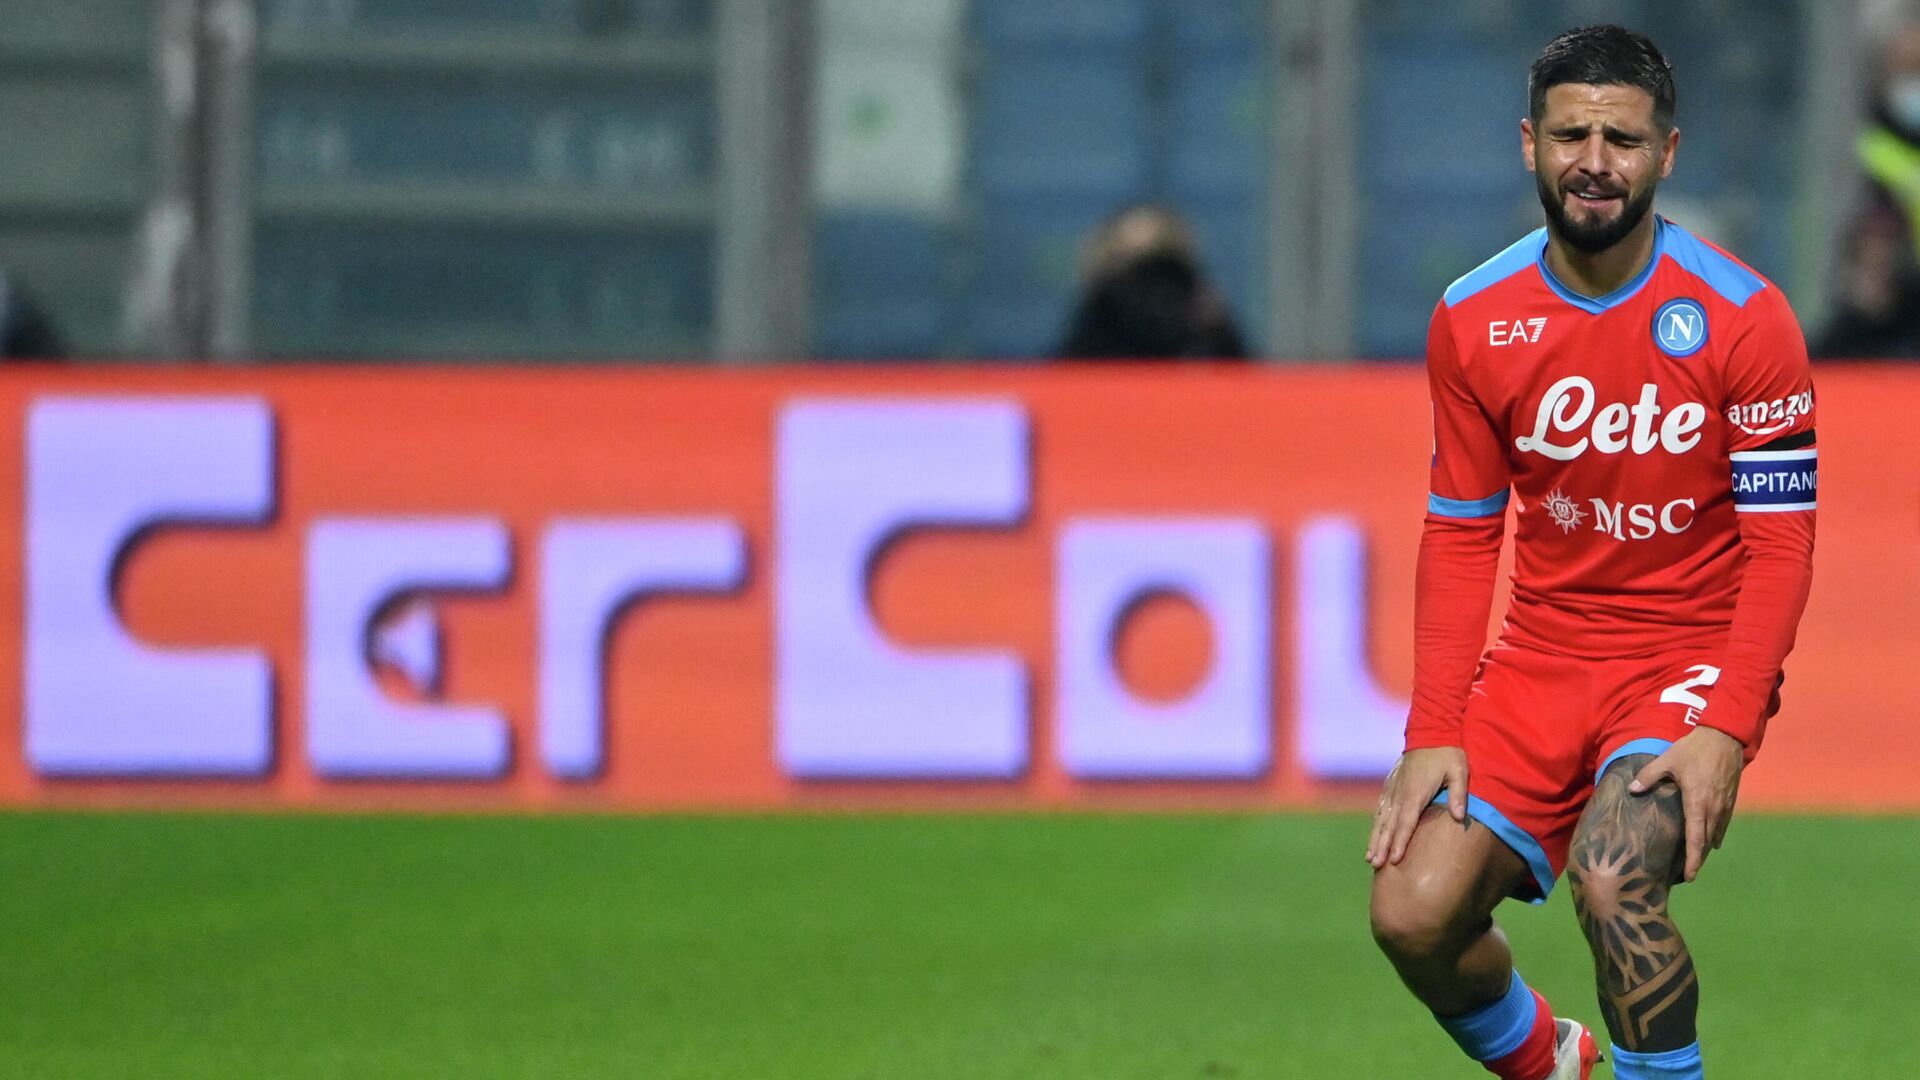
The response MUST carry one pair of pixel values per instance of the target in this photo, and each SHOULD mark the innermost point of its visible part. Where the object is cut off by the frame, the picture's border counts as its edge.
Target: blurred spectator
(1877, 311)
(25, 333)
(1144, 296)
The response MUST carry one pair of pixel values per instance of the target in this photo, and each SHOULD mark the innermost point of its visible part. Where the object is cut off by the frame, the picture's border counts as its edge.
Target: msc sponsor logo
(1642, 521)
(1769, 417)
(1620, 520)
(1680, 328)
(1563, 511)
(1517, 332)
(1569, 409)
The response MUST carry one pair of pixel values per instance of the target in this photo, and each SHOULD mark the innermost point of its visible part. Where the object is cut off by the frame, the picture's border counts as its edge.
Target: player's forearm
(1453, 596)
(1773, 593)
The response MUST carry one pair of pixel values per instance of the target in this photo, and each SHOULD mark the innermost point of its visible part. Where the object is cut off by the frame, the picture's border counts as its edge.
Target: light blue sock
(1681, 1064)
(1496, 1030)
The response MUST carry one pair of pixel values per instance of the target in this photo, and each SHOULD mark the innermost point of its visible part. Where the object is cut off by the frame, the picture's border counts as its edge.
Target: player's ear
(1666, 159)
(1526, 142)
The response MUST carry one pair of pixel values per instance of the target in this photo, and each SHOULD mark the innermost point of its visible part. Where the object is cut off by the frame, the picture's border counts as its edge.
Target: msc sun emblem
(1563, 511)
(1680, 328)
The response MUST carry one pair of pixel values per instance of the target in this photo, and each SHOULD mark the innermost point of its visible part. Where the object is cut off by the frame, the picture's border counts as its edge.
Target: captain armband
(1774, 481)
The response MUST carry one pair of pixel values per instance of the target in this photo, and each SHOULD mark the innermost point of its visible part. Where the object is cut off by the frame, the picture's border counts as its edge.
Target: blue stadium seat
(1217, 126)
(1062, 22)
(886, 328)
(1219, 24)
(1016, 328)
(1471, 147)
(1052, 121)
(880, 286)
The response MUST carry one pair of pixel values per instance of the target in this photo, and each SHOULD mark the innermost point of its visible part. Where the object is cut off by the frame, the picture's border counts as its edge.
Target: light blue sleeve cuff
(1469, 508)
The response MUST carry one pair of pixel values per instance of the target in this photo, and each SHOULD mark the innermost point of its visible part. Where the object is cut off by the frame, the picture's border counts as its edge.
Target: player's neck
(1598, 273)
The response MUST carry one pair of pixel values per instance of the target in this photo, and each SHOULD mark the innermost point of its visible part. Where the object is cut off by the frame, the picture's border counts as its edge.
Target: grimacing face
(1597, 157)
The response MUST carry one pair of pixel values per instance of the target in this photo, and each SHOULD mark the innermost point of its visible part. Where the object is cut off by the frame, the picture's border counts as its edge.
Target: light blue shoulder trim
(1723, 274)
(1469, 508)
(1522, 254)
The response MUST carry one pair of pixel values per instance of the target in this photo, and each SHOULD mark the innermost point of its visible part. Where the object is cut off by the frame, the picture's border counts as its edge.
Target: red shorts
(1540, 729)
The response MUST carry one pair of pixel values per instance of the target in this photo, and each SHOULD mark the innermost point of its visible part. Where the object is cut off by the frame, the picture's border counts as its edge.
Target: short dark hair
(1604, 55)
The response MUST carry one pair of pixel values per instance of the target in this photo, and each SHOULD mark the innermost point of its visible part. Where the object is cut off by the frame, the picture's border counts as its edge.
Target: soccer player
(1644, 401)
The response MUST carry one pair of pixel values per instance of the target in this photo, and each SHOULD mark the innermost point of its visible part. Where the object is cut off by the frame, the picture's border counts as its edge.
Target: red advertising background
(690, 694)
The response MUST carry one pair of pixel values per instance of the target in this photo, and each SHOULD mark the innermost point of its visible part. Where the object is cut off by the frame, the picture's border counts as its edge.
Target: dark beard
(1599, 236)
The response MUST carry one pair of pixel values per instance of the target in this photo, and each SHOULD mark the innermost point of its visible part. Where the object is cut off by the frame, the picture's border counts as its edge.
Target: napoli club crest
(1680, 328)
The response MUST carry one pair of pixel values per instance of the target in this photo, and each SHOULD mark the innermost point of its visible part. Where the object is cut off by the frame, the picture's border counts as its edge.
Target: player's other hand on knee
(1706, 766)
(1410, 787)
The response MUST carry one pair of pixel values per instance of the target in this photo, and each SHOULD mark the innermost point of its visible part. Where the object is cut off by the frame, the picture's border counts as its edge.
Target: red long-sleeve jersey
(1657, 447)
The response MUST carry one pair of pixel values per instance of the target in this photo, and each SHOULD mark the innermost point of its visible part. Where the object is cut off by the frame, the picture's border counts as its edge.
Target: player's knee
(1597, 888)
(1414, 915)
(1609, 886)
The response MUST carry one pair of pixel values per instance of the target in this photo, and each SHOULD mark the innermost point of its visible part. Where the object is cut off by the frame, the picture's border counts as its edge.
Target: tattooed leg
(1628, 851)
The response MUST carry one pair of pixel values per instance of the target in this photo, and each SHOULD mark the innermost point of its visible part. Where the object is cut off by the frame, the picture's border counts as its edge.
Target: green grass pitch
(857, 948)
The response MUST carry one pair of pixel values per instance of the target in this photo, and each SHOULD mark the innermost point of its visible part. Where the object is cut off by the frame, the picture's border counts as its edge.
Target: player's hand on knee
(1410, 787)
(1706, 766)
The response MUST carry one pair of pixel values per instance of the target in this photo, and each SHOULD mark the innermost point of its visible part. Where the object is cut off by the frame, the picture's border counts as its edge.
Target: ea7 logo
(1524, 331)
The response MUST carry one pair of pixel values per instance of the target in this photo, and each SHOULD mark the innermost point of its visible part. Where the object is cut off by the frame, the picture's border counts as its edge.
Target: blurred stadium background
(851, 179)
(559, 543)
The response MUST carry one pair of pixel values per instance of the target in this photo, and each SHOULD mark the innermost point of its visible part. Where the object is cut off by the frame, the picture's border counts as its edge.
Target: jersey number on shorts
(1681, 693)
